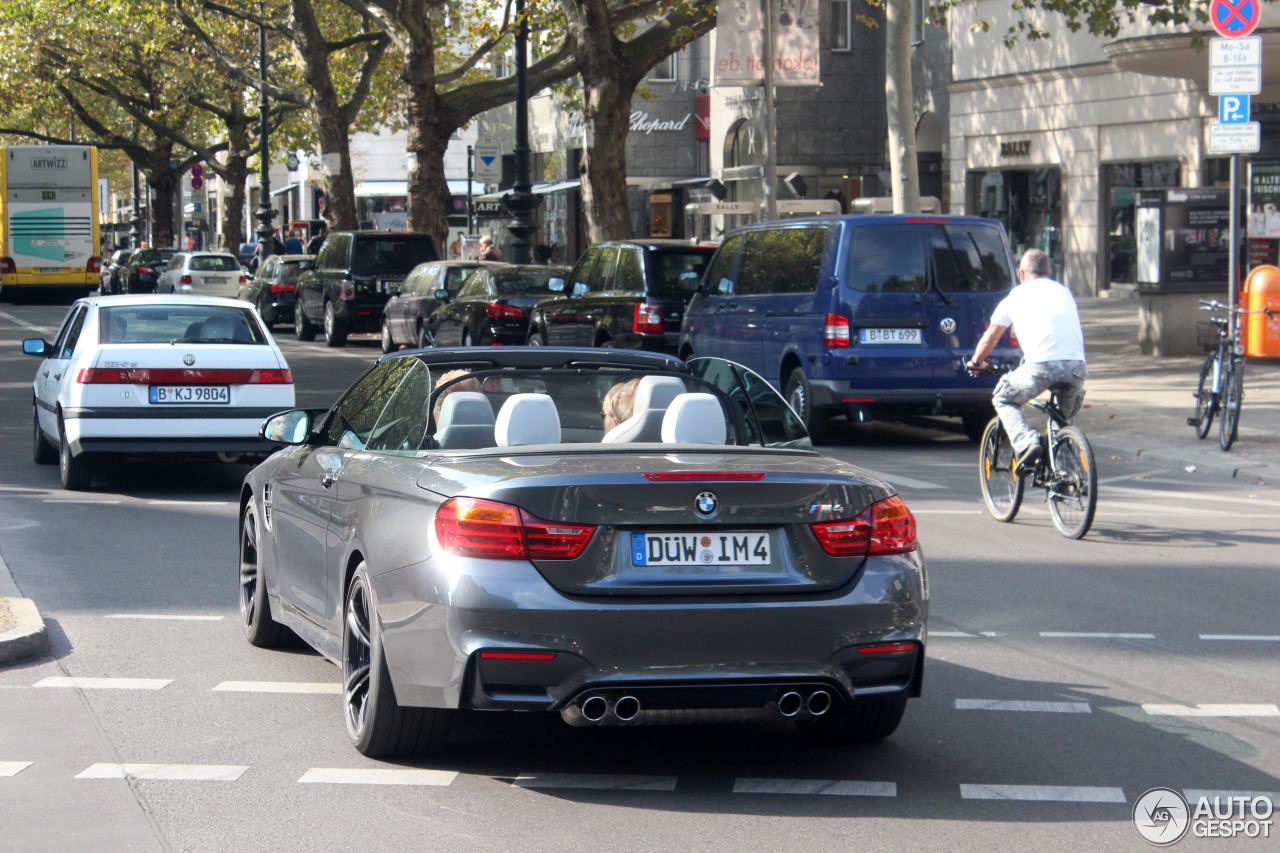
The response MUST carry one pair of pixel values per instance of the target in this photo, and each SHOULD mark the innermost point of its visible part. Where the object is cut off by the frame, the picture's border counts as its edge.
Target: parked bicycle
(1221, 387)
(1066, 470)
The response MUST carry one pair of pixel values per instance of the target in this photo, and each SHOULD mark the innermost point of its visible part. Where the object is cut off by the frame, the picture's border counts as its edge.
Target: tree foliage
(1097, 17)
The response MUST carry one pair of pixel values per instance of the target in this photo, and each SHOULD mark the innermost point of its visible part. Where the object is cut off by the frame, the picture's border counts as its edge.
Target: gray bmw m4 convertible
(618, 537)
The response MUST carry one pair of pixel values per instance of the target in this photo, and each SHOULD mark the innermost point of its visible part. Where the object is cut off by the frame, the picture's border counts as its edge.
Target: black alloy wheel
(255, 608)
(335, 335)
(797, 395)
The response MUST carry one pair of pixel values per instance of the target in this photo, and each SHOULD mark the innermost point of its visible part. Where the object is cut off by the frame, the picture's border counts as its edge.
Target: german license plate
(50, 269)
(700, 549)
(191, 394)
(215, 279)
(390, 286)
(890, 336)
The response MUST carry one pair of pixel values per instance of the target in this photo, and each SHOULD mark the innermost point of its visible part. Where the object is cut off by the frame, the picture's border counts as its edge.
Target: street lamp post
(135, 221)
(264, 213)
(521, 201)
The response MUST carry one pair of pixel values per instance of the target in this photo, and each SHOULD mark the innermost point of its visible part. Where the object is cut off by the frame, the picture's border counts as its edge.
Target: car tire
(334, 334)
(535, 339)
(388, 341)
(76, 472)
(255, 607)
(861, 722)
(376, 723)
(303, 329)
(798, 396)
(426, 338)
(42, 451)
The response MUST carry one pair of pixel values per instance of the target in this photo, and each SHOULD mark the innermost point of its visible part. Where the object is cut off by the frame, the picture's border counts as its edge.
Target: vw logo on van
(706, 504)
(947, 325)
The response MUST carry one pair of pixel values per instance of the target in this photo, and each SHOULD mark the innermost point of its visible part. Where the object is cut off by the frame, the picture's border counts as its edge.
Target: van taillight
(647, 317)
(1013, 339)
(835, 332)
(7, 265)
(885, 527)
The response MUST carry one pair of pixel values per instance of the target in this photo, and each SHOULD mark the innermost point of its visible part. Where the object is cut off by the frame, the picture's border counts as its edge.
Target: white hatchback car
(202, 274)
(155, 374)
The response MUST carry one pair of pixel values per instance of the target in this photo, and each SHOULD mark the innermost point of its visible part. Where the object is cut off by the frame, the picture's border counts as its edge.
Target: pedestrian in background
(293, 245)
(488, 251)
(313, 247)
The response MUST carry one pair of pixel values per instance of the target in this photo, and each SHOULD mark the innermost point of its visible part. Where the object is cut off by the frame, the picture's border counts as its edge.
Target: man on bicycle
(1043, 315)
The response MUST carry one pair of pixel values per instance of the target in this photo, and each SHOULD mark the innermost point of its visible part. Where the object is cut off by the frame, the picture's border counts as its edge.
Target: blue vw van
(861, 315)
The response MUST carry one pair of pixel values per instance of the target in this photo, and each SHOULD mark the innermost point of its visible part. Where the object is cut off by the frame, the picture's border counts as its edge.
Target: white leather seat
(527, 419)
(694, 419)
(466, 421)
(653, 395)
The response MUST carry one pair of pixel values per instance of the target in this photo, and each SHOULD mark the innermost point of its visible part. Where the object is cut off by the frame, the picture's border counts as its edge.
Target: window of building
(665, 70)
(841, 25)
(1028, 202)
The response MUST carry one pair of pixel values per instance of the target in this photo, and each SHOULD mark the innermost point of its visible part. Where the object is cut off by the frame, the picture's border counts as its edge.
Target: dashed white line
(1023, 705)
(24, 324)
(13, 768)
(1093, 635)
(596, 781)
(369, 776)
(71, 501)
(1212, 710)
(104, 683)
(187, 503)
(966, 634)
(900, 480)
(333, 688)
(832, 787)
(1248, 638)
(173, 772)
(1044, 793)
(176, 617)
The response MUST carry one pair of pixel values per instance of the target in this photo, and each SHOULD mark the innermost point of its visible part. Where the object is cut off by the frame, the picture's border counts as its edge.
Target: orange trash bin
(1261, 334)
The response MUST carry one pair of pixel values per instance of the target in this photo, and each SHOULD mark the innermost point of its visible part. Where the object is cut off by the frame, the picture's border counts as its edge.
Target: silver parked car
(461, 531)
(202, 274)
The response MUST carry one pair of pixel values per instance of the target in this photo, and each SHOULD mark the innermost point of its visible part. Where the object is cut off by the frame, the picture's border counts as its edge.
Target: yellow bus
(49, 238)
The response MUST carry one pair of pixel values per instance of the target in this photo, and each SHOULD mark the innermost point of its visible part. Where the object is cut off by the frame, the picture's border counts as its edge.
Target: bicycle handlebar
(1215, 305)
(988, 370)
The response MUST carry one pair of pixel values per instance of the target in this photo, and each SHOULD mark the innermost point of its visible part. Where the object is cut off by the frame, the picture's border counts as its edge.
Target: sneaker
(1028, 458)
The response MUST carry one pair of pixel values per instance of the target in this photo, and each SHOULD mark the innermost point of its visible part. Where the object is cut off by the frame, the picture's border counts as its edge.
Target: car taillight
(1013, 338)
(243, 280)
(94, 265)
(475, 527)
(186, 279)
(885, 527)
(270, 377)
(495, 309)
(182, 376)
(279, 286)
(146, 271)
(7, 265)
(348, 290)
(835, 331)
(647, 317)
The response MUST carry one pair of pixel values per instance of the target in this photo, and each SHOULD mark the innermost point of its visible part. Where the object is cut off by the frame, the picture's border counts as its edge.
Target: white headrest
(527, 419)
(465, 407)
(694, 419)
(656, 392)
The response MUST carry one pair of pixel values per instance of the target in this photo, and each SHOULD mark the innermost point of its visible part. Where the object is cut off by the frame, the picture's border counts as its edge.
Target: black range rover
(354, 274)
(629, 294)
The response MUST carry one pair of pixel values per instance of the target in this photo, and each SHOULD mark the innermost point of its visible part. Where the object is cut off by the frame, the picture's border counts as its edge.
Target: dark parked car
(274, 288)
(142, 271)
(493, 305)
(354, 274)
(404, 320)
(628, 294)
(476, 544)
(111, 271)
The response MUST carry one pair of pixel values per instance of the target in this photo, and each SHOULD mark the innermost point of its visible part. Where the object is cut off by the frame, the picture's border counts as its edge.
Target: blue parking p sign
(1233, 109)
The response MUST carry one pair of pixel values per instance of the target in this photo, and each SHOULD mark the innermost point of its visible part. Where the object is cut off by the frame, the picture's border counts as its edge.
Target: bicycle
(1066, 470)
(1221, 386)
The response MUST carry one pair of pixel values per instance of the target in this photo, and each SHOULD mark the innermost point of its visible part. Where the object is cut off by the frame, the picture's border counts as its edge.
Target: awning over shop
(542, 189)
(369, 189)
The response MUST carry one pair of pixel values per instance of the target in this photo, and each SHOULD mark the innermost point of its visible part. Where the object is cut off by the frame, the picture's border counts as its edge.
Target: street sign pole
(471, 216)
(1233, 271)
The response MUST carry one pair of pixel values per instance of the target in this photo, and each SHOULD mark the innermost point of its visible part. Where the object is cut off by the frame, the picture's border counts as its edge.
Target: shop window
(1028, 202)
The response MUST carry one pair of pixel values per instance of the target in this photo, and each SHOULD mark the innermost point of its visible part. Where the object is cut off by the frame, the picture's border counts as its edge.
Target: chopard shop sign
(1016, 148)
(641, 122)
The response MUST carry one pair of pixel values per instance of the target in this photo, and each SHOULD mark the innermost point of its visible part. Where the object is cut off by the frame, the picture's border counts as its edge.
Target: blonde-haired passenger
(619, 401)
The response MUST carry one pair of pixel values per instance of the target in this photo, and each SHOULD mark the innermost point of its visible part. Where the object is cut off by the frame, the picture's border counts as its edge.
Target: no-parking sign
(1234, 18)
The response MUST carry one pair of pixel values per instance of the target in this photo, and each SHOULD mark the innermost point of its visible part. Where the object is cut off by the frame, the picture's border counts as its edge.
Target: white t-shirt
(1044, 317)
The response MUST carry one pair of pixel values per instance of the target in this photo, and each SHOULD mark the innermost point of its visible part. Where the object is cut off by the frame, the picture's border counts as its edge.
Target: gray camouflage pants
(1026, 383)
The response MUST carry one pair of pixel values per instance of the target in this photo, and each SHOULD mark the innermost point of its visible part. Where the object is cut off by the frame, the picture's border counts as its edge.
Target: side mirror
(289, 427)
(37, 346)
(442, 295)
(580, 287)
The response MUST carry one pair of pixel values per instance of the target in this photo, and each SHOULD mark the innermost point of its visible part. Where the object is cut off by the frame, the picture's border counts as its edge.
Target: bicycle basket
(1208, 335)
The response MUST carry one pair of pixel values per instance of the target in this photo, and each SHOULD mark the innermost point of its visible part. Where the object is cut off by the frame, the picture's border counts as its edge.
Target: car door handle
(328, 478)
(57, 376)
(44, 373)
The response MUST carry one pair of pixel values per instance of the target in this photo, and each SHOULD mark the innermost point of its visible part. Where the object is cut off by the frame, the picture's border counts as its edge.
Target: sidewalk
(1136, 406)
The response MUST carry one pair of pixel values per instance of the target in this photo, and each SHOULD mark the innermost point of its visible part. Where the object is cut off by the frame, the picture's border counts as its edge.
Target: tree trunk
(162, 178)
(901, 110)
(235, 173)
(431, 125)
(339, 186)
(607, 118)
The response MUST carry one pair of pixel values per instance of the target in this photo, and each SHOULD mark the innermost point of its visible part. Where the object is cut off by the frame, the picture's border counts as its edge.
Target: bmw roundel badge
(706, 504)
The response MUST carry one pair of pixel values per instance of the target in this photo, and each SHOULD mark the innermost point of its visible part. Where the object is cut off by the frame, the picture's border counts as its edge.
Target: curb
(1168, 458)
(28, 637)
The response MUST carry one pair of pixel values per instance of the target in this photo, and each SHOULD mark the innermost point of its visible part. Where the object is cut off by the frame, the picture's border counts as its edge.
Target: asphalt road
(1064, 679)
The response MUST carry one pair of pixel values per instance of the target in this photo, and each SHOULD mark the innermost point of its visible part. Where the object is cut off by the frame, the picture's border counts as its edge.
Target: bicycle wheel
(1232, 399)
(1206, 401)
(1073, 484)
(1001, 487)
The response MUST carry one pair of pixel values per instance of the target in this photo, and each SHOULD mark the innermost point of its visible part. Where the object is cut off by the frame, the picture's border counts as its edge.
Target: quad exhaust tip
(626, 708)
(818, 703)
(594, 708)
(790, 703)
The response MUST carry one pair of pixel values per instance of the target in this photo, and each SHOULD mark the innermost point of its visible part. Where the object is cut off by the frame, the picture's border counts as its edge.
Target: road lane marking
(900, 480)
(966, 634)
(369, 776)
(833, 787)
(74, 501)
(596, 781)
(177, 617)
(1146, 474)
(188, 503)
(1120, 507)
(1023, 705)
(104, 683)
(173, 772)
(1092, 635)
(1194, 496)
(1045, 793)
(1250, 638)
(24, 324)
(1212, 710)
(915, 511)
(13, 768)
(334, 688)
(1194, 795)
